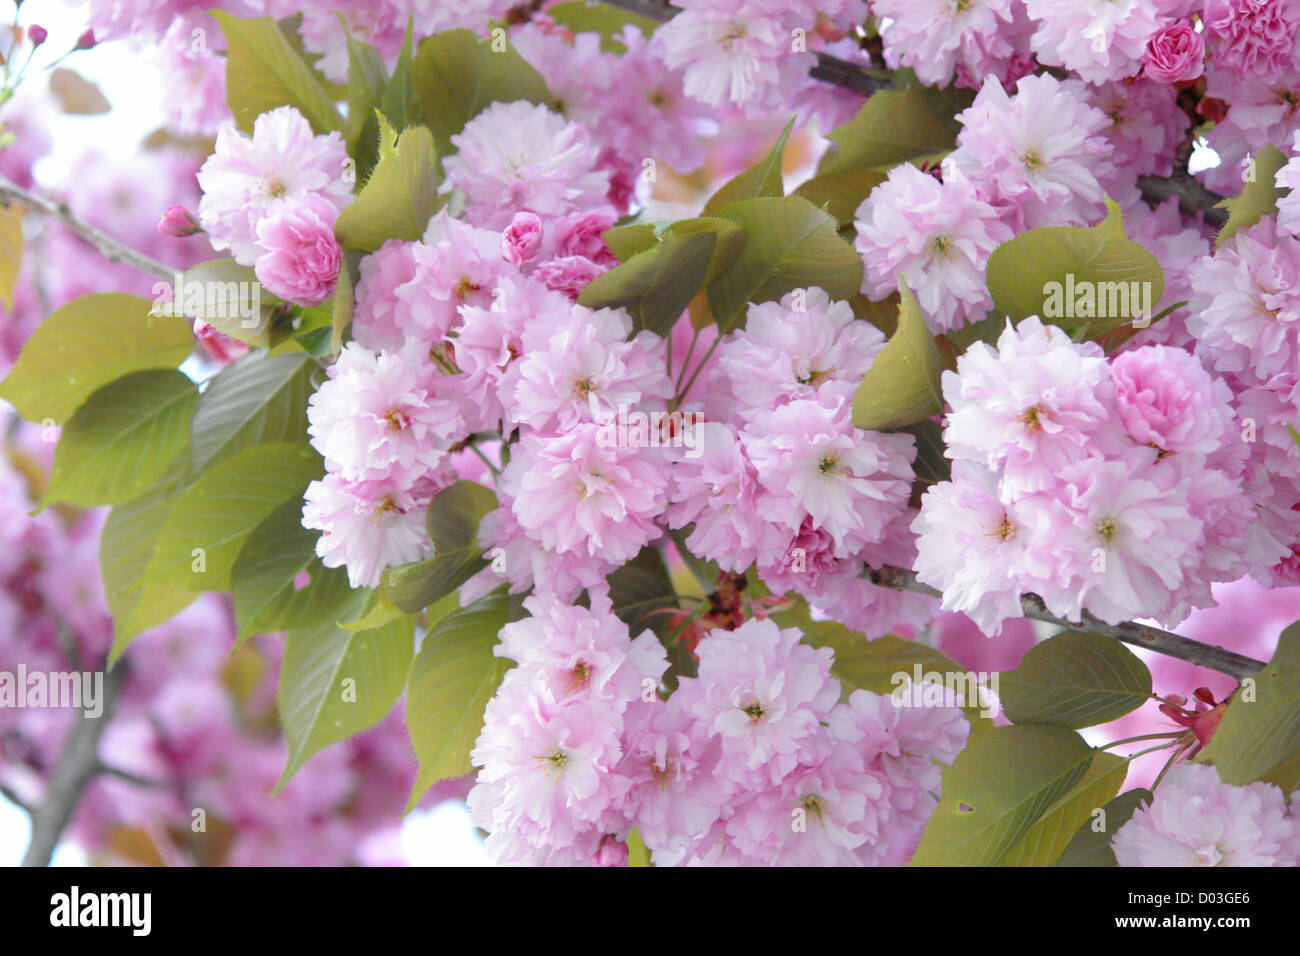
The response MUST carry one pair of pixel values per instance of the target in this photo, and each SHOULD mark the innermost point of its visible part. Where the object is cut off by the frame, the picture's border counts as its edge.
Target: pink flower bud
(1174, 54)
(522, 238)
(86, 41)
(37, 34)
(611, 852)
(178, 221)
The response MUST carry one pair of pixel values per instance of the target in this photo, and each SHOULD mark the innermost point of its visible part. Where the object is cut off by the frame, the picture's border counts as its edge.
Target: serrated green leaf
(1006, 779)
(1092, 847)
(894, 126)
(840, 194)
(400, 196)
(367, 78)
(790, 244)
(262, 579)
(453, 522)
(1094, 278)
(122, 439)
(655, 286)
(398, 101)
(126, 547)
(209, 521)
(902, 385)
(1047, 839)
(264, 71)
(457, 75)
(86, 344)
(630, 240)
(230, 298)
(453, 678)
(1257, 735)
(1075, 680)
(761, 179)
(336, 683)
(257, 400)
(642, 584)
(1258, 196)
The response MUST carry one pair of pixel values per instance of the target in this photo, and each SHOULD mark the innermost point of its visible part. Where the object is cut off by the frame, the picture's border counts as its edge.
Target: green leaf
(641, 585)
(398, 101)
(400, 196)
(894, 126)
(453, 678)
(840, 194)
(931, 465)
(1047, 839)
(1006, 779)
(762, 179)
(380, 612)
(457, 75)
(257, 400)
(582, 16)
(336, 683)
(637, 854)
(1258, 196)
(126, 547)
(1094, 278)
(630, 240)
(790, 244)
(1075, 680)
(122, 439)
(367, 78)
(228, 297)
(1286, 775)
(453, 527)
(655, 286)
(11, 249)
(902, 385)
(1092, 847)
(264, 71)
(345, 301)
(263, 575)
(210, 520)
(1257, 735)
(86, 344)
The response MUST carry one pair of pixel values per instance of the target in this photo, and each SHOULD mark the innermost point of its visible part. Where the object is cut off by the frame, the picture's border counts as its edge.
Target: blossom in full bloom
(365, 526)
(1038, 155)
(299, 258)
(1175, 54)
(1195, 819)
(1098, 39)
(246, 178)
(518, 155)
(934, 36)
(937, 236)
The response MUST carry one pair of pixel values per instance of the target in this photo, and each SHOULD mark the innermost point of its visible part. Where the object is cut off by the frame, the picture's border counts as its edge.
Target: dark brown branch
(1139, 635)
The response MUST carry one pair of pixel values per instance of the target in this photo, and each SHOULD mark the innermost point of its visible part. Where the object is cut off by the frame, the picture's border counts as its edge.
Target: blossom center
(554, 761)
(1004, 530)
(755, 711)
(829, 465)
(397, 419)
(1106, 529)
(813, 806)
(942, 245)
(1030, 418)
(580, 676)
(1032, 161)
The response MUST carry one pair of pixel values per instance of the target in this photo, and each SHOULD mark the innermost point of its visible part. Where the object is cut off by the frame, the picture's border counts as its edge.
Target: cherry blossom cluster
(756, 761)
(1114, 486)
(1195, 819)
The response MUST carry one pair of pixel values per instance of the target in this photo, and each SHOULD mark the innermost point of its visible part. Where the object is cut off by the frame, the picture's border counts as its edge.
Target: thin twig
(1130, 632)
(110, 248)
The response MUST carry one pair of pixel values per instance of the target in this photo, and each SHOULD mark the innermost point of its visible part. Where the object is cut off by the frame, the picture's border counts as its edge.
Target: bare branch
(77, 764)
(1139, 635)
(110, 248)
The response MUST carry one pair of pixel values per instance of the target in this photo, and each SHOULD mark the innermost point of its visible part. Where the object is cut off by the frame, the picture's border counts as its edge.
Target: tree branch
(77, 764)
(1193, 197)
(1139, 635)
(110, 248)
